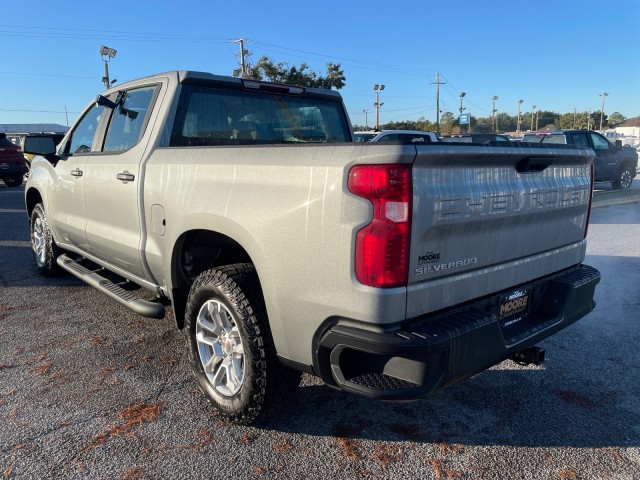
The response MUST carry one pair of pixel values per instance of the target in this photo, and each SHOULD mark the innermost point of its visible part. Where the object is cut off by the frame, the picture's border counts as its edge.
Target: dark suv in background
(13, 165)
(613, 163)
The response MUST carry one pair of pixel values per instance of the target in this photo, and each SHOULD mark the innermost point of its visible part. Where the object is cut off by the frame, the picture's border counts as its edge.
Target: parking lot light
(107, 54)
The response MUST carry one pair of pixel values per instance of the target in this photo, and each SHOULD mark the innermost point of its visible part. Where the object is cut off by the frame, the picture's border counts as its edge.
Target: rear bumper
(12, 169)
(427, 354)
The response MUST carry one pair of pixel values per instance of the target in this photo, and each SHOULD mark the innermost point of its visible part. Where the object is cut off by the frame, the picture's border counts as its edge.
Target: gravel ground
(90, 390)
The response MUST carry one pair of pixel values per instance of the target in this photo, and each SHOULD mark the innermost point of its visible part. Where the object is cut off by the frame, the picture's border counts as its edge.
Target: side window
(127, 122)
(390, 138)
(81, 140)
(580, 140)
(599, 143)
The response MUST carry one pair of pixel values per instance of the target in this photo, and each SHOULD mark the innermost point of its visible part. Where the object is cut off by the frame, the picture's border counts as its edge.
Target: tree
(447, 122)
(507, 123)
(266, 69)
(615, 119)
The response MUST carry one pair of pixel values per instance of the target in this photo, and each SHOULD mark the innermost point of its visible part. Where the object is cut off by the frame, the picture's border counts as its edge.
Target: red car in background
(13, 165)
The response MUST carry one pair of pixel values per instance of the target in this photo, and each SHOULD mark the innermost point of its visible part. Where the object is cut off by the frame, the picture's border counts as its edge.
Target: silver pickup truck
(282, 246)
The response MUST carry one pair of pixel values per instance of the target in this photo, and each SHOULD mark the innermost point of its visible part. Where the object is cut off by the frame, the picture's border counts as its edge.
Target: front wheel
(230, 346)
(625, 179)
(15, 181)
(45, 251)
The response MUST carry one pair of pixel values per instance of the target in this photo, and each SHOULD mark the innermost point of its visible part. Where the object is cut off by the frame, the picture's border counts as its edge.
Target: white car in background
(396, 136)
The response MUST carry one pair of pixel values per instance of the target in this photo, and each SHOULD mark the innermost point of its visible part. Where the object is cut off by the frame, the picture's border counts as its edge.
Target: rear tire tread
(273, 383)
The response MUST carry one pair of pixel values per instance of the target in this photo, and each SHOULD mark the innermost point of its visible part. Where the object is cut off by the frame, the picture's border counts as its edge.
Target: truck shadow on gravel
(532, 408)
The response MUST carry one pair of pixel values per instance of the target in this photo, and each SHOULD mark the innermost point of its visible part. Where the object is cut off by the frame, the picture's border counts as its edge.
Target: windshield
(217, 116)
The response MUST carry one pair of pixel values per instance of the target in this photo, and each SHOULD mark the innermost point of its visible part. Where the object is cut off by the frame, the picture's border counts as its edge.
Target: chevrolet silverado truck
(282, 246)
(612, 163)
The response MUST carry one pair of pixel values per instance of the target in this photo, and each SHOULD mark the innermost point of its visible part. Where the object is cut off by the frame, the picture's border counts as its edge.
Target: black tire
(45, 251)
(230, 296)
(15, 181)
(624, 180)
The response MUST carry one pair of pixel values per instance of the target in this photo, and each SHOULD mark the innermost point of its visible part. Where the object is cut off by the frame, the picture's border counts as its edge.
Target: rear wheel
(625, 179)
(45, 251)
(230, 346)
(14, 181)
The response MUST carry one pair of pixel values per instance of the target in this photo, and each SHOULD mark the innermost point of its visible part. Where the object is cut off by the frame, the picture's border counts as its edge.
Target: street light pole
(602, 111)
(519, 118)
(462, 94)
(366, 118)
(493, 111)
(533, 109)
(107, 54)
(378, 88)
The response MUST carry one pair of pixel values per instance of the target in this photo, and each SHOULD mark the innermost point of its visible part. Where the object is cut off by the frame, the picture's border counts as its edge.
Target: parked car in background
(397, 136)
(613, 163)
(13, 165)
(483, 138)
(361, 137)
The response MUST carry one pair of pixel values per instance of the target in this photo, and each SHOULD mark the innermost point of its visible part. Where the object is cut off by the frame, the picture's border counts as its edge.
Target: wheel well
(195, 252)
(32, 199)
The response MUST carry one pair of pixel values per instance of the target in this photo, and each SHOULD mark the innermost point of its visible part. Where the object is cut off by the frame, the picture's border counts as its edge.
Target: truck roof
(190, 75)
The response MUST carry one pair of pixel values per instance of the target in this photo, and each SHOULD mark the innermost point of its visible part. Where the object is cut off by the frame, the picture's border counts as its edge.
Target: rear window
(533, 138)
(216, 116)
(557, 138)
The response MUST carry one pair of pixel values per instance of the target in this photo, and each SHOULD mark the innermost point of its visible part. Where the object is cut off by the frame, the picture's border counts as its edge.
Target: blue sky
(555, 55)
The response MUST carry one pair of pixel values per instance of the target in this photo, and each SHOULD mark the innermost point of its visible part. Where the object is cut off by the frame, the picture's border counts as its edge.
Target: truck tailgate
(488, 218)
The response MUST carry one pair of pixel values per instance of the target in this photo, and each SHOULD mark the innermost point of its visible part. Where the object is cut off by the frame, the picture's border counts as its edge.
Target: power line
(346, 61)
(56, 32)
(47, 75)
(35, 111)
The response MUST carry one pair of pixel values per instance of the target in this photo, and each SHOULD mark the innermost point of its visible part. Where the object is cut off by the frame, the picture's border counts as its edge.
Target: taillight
(382, 247)
(593, 173)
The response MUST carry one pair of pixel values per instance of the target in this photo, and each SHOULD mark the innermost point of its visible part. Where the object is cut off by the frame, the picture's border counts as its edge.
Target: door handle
(76, 173)
(126, 177)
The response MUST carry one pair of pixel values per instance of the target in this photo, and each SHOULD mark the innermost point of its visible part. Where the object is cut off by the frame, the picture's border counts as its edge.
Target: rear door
(489, 218)
(113, 181)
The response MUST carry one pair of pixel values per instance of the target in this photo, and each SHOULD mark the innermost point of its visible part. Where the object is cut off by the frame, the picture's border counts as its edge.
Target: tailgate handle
(534, 164)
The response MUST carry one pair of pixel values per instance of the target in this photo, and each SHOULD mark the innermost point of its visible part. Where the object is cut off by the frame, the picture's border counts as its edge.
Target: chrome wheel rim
(38, 240)
(220, 348)
(625, 180)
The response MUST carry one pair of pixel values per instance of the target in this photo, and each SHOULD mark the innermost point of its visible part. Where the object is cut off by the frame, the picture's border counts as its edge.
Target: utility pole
(462, 94)
(537, 112)
(378, 88)
(493, 111)
(533, 109)
(244, 67)
(519, 119)
(366, 118)
(574, 118)
(602, 111)
(437, 83)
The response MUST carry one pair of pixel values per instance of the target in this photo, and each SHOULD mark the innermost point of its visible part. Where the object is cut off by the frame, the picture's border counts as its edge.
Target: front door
(113, 184)
(605, 158)
(66, 208)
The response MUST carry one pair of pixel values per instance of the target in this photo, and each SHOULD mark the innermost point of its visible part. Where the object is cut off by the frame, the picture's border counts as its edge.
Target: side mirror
(36, 145)
(618, 146)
